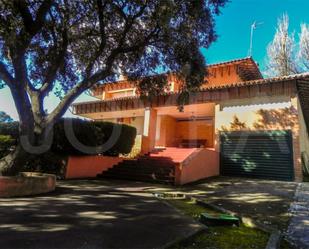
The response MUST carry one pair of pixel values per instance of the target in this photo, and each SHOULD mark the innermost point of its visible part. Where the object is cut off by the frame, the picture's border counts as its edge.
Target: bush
(93, 134)
(48, 162)
(6, 143)
(87, 132)
(10, 129)
(125, 142)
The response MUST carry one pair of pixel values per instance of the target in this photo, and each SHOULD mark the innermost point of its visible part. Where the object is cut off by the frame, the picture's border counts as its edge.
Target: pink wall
(202, 164)
(89, 166)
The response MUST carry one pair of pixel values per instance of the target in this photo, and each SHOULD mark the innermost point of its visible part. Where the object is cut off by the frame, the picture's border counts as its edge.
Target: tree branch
(31, 27)
(100, 10)
(5, 75)
(88, 83)
(22, 7)
(55, 65)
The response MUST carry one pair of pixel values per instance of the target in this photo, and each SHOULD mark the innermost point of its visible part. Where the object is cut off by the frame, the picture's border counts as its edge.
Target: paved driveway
(91, 214)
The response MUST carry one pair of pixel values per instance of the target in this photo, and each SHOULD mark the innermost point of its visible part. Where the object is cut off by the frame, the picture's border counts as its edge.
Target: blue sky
(233, 28)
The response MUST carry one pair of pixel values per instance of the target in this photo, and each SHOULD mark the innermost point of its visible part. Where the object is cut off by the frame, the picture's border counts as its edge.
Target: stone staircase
(158, 166)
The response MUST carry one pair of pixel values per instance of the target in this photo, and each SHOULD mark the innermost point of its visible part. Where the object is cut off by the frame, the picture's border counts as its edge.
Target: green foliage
(11, 129)
(93, 134)
(8, 137)
(48, 162)
(6, 143)
(221, 237)
(5, 117)
(85, 132)
(124, 143)
(88, 133)
(55, 37)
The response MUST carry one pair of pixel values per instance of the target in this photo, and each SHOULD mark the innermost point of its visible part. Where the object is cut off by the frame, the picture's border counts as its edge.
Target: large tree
(304, 47)
(281, 56)
(69, 46)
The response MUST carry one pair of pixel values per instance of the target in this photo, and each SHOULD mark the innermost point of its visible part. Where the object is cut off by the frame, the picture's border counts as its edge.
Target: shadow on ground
(91, 214)
(267, 201)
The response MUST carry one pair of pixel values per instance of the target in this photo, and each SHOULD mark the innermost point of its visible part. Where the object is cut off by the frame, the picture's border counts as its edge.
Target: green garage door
(265, 155)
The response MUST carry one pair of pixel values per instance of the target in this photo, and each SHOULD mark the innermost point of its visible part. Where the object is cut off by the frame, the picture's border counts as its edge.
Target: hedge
(93, 134)
(88, 133)
(125, 141)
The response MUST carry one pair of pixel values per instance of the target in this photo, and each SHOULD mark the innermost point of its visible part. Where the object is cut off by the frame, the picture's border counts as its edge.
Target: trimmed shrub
(88, 133)
(85, 132)
(93, 134)
(125, 141)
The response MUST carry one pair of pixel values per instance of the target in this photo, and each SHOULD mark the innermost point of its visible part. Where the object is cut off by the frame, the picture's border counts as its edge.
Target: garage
(257, 154)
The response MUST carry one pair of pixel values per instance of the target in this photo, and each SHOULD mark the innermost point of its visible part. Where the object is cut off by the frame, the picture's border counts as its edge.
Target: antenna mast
(254, 25)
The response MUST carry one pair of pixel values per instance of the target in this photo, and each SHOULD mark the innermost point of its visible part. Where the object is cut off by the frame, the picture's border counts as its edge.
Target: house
(237, 124)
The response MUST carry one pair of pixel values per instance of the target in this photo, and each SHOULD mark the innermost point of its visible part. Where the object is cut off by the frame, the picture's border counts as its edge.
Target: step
(134, 178)
(140, 172)
(144, 170)
(149, 160)
(157, 160)
(138, 176)
(147, 165)
(128, 171)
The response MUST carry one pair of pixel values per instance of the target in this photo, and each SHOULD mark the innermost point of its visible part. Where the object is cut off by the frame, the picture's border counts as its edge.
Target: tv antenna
(254, 25)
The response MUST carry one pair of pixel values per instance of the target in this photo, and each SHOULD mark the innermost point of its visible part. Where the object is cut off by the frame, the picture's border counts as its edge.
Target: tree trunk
(14, 162)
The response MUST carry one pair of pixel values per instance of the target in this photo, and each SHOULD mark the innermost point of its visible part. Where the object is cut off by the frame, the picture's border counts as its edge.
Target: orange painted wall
(89, 166)
(195, 130)
(218, 75)
(222, 76)
(172, 132)
(149, 140)
(167, 135)
(259, 118)
(202, 164)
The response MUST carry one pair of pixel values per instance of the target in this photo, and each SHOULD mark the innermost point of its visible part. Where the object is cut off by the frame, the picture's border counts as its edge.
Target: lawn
(265, 201)
(218, 237)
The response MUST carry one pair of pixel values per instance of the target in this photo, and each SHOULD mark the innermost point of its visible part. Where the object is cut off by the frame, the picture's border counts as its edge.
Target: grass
(221, 237)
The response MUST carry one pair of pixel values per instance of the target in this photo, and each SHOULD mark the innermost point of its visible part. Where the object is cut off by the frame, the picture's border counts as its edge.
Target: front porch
(166, 126)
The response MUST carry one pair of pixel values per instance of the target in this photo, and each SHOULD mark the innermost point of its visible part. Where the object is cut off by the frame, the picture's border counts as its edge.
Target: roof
(303, 92)
(248, 70)
(302, 76)
(260, 81)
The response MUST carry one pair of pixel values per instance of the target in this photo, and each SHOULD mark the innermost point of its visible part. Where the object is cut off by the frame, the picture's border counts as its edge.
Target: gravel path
(298, 231)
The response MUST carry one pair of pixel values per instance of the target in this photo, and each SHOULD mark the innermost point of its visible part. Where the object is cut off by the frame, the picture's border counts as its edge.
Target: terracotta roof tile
(236, 84)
